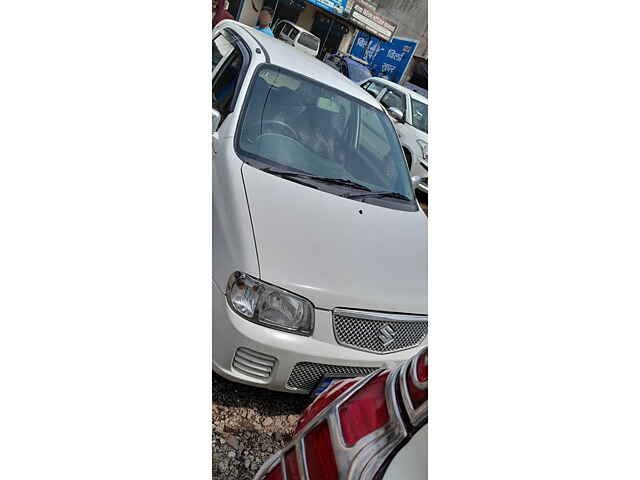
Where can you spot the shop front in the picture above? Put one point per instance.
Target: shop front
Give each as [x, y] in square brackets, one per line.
[324, 18]
[388, 60]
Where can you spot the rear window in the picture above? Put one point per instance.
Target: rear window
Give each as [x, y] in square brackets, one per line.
[309, 41]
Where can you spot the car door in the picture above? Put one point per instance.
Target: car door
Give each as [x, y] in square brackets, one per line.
[389, 98]
[229, 70]
[233, 245]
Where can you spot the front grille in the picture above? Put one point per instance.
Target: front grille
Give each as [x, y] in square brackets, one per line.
[378, 332]
[306, 375]
[254, 364]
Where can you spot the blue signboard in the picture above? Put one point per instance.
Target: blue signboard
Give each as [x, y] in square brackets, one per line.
[334, 6]
[386, 59]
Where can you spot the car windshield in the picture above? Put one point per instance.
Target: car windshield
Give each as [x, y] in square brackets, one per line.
[359, 73]
[296, 124]
[309, 41]
[419, 115]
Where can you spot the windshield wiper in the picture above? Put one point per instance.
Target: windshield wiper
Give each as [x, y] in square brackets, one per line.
[378, 195]
[337, 181]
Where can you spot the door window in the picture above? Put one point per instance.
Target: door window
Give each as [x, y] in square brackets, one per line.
[225, 83]
[221, 49]
[373, 88]
[393, 99]
[309, 41]
[419, 115]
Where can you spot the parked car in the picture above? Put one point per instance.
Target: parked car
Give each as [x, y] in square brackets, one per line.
[319, 246]
[369, 428]
[409, 112]
[297, 37]
[351, 67]
[415, 88]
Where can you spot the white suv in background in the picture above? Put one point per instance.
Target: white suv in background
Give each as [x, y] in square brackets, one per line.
[319, 245]
[297, 37]
[409, 112]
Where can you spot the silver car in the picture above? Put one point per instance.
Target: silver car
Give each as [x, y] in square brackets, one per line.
[408, 109]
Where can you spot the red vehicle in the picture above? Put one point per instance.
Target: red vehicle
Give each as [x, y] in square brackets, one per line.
[369, 428]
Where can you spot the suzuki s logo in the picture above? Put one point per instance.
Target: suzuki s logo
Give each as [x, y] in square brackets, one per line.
[386, 335]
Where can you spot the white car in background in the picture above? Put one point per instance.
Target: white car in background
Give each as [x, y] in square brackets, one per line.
[374, 428]
[319, 245]
[409, 112]
[297, 37]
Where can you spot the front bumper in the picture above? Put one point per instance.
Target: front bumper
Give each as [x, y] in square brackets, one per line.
[232, 332]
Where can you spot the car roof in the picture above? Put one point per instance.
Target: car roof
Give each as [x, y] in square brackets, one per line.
[284, 55]
[402, 89]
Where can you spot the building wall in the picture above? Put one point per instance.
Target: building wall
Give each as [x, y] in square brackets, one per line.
[345, 45]
[249, 16]
[411, 16]
[306, 17]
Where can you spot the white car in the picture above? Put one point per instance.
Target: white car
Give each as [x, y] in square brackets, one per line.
[319, 246]
[409, 112]
[297, 37]
[369, 428]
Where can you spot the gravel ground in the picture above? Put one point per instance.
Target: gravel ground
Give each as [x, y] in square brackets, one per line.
[249, 425]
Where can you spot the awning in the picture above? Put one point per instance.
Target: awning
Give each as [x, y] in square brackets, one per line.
[337, 7]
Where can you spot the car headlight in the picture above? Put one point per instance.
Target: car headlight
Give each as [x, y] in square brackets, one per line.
[268, 305]
[423, 146]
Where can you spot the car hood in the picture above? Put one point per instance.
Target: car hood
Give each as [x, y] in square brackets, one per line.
[320, 246]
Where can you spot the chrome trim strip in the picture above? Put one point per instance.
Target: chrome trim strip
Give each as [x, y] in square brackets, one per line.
[380, 316]
[416, 415]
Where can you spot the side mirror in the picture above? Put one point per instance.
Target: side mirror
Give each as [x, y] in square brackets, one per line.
[396, 114]
[216, 116]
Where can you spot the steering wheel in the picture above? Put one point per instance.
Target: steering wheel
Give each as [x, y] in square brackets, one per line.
[279, 123]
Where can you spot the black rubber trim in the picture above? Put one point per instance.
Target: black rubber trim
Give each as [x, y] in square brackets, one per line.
[239, 42]
[264, 51]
